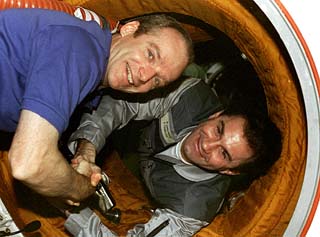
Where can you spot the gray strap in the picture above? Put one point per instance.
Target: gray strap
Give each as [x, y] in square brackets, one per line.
[193, 173]
[168, 159]
[189, 172]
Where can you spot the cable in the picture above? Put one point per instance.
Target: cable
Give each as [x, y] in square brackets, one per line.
[32, 226]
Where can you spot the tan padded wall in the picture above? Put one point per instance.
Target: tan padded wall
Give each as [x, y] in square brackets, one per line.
[268, 205]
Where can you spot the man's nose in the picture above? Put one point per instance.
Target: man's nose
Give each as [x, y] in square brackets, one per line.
[147, 73]
[208, 144]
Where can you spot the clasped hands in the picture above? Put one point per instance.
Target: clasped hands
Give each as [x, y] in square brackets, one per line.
[84, 163]
[87, 168]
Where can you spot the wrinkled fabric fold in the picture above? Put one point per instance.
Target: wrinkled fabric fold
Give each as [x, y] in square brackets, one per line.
[87, 224]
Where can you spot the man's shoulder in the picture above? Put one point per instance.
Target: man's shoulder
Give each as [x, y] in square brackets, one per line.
[36, 19]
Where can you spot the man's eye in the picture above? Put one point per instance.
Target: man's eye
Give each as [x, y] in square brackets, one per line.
[156, 82]
[219, 129]
[224, 154]
[150, 55]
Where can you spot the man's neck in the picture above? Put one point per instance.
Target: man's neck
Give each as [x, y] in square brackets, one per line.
[179, 153]
[175, 152]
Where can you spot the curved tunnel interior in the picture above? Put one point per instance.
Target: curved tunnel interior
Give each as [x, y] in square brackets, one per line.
[220, 63]
[238, 30]
[268, 203]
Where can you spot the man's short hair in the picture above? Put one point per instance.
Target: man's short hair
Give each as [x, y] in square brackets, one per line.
[153, 22]
[263, 137]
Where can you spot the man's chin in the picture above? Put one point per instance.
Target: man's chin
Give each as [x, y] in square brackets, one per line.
[117, 87]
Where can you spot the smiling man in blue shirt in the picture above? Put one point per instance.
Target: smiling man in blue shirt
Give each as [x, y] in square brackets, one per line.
[50, 61]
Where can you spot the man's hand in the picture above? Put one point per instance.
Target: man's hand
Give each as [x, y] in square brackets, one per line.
[84, 167]
[84, 161]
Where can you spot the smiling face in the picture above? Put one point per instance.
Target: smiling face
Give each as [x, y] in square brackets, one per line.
[142, 63]
[218, 144]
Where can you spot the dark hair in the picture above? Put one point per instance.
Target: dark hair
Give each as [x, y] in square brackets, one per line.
[263, 137]
[153, 22]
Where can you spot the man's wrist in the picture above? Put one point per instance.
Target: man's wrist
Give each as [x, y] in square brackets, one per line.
[86, 149]
[81, 187]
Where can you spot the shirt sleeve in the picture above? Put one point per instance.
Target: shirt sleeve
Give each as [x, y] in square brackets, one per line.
[115, 112]
[65, 65]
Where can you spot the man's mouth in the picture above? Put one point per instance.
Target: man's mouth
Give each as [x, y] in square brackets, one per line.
[129, 73]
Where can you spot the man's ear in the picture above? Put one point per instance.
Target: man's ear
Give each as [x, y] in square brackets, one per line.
[215, 115]
[129, 28]
[229, 172]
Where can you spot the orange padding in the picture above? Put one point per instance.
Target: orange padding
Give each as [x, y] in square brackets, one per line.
[267, 207]
[45, 4]
[25, 206]
[268, 204]
[55, 5]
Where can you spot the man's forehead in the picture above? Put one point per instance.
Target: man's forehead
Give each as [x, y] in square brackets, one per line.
[243, 153]
[236, 141]
[171, 61]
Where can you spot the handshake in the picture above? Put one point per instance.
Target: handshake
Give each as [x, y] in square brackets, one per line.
[84, 163]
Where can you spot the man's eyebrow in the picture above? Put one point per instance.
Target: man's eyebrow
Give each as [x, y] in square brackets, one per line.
[222, 124]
